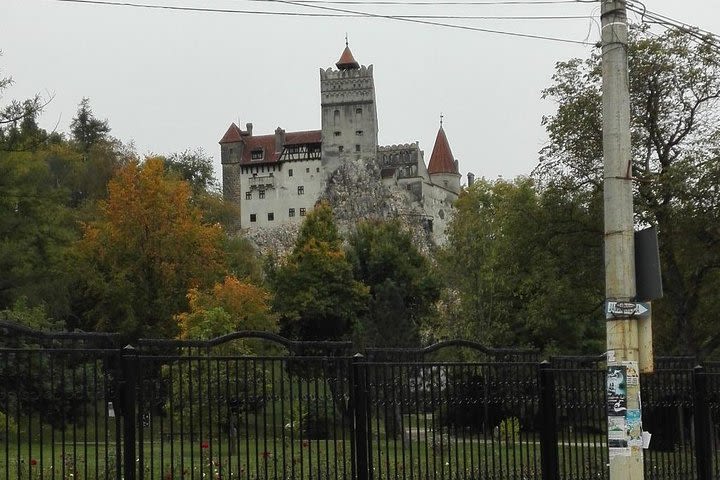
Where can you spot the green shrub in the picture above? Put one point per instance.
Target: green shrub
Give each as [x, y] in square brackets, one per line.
[509, 429]
[7, 426]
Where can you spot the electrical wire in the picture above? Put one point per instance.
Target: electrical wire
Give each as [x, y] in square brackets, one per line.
[698, 35]
[440, 2]
[427, 22]
[356, 13]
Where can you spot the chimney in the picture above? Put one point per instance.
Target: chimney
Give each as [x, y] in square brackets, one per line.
[471, 178]
[248, 128]
[279, 139]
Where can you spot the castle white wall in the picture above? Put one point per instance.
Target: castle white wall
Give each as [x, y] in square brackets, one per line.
[281, 192]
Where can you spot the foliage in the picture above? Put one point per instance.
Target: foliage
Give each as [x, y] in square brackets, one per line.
[7, 426]
[230, 306]
[18, 128]
[35, 227]
[518, 276]
[403, 286]
[509, 429]
[33, 317]
[86, 129]
[314, 291]
[196, 168]
[148, 247]
[674, 92]
[243, 259]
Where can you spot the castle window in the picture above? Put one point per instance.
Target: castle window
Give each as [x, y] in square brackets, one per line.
[253, 217]
[359, 133]
[341, 148]
[307, 170]
[302, 212]
[336, 117]
[271, 216]
[290, 172]
[337, 134]
[357, 148]
[256, 155]
[291, 212]
[358, 111]
[317, 169]
[248, 195]
[301, 190]
[261, 194]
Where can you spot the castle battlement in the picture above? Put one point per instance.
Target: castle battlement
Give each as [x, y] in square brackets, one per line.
[332, 74]
[399, 146]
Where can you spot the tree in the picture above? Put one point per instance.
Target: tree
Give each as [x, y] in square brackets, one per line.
[85, 128]
[196, 168]
[230, 306]
[403, 285]
[149, 246]
[35, 229]
[518, 269]
[17, 120]
[314, 291]
[675, 92]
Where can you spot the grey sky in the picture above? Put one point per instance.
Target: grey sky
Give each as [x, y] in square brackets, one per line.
[174, 80]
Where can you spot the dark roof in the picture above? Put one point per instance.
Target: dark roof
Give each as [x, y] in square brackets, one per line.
[441, 160]
[347, 61]
[266, 143]
[233, 134]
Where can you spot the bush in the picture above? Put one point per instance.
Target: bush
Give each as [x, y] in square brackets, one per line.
[316, 424]
[509, 429]
[7, 425]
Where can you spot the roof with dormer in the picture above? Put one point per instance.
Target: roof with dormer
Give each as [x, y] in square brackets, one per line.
[266, 143]
[347, 61]
[442, 160]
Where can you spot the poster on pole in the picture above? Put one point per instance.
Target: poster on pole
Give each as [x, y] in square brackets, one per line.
[616, 390]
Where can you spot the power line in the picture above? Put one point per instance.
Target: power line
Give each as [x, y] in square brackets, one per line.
[439, 2]
[697, 35]
[348, 13]
[427, 22]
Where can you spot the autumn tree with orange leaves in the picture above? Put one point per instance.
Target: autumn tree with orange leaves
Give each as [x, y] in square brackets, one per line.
[147, 249]
[230, 306]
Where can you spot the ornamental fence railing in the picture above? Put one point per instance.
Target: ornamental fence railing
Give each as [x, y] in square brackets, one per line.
[81, 406]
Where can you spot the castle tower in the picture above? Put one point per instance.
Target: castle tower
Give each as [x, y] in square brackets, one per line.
[443, 168]
[349, 115]
[231, 151]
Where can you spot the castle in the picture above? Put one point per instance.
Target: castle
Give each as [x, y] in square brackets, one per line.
[276, 179]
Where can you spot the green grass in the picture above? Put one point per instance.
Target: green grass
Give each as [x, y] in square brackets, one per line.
[314, 459]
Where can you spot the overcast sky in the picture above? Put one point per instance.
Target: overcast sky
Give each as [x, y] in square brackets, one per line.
[173, 80]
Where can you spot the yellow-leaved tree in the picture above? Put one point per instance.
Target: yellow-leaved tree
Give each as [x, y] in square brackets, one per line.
[147, 248]
[230, 306]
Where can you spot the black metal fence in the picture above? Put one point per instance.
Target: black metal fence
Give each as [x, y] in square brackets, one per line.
[77, 406]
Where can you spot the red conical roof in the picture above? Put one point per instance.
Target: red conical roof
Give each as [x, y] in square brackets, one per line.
[233, 134]
[347, 61]
[441, 160]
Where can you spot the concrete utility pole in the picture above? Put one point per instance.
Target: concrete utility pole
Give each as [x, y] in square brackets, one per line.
[626, 457]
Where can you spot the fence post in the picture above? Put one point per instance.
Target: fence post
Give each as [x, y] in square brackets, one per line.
[360, 418]
[129, 366]
[548, 423]
[701, 417]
